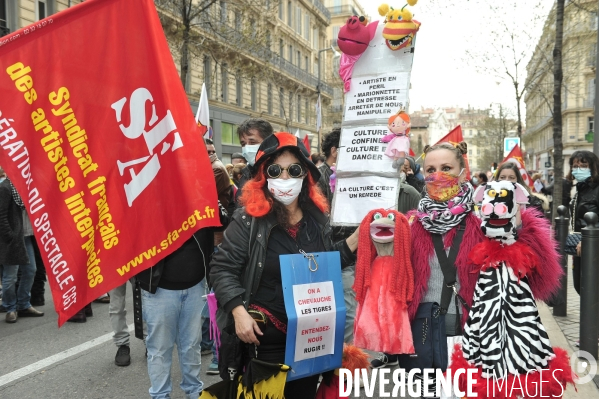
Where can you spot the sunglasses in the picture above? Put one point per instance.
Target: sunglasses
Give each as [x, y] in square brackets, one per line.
[294, 170]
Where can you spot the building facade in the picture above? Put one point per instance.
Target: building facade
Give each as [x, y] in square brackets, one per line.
[578, 92]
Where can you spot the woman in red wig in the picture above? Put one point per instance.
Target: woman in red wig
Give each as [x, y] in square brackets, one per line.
[284, 213]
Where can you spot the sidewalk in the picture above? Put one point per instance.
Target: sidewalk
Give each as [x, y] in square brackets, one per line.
[563, 332]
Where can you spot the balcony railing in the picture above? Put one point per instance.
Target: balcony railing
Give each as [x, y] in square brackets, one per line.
[4, 31]
[538, 125]
[323, 10]
[231, 35]
[343, 10]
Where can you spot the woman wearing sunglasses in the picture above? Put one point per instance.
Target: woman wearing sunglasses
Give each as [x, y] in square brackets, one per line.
[284, 212]
[584, 169]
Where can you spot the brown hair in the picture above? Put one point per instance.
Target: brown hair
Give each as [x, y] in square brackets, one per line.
[589, 158]
[514, 168]
[236, 172]
[459, 150]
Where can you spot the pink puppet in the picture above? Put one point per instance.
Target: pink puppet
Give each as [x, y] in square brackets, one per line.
[353, 40]
[399, 142]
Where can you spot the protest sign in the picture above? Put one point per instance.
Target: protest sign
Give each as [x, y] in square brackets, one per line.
[315, 308]
[356, 196]
[380, 83]
[97, 135]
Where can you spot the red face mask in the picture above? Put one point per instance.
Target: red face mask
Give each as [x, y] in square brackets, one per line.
[442, 186]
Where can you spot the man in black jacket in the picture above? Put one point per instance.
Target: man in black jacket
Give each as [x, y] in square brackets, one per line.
[252, 133]
[16, 253]
[171, 293]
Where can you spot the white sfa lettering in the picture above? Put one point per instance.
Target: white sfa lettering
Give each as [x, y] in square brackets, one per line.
[158, 132]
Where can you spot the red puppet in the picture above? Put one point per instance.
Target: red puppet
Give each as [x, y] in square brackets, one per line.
[384, 284]
[353, 40]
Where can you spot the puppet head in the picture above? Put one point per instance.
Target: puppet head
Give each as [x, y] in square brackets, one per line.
[400, 28]
[400, 123]
[500, 202]
[355, 35]
[385, 228]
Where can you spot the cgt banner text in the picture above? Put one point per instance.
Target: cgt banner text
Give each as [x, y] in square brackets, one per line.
[101, 144]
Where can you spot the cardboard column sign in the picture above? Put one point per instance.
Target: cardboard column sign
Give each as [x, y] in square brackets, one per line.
[379, 88]
[316, 312]
[98, 137]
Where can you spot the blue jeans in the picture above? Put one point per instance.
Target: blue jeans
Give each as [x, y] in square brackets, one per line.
[172, 317]
[13, 299]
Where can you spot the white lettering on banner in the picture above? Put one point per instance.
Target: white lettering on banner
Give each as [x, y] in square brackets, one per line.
[361, 150]
[377, 97]
[316, 319]
[160, 129]
[356, 196]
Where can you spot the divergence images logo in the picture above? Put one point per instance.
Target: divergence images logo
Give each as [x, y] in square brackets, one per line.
[585, 365]
[159, 130]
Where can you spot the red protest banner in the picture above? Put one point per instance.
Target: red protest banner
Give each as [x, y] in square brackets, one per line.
[515, 156]
[98, 137]
[454, 138]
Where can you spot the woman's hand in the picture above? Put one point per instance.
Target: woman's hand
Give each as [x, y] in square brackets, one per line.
[352, 241]
[578, 246]
[245, 326]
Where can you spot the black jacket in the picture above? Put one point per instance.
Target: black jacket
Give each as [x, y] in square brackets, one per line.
[246, 175]
[149, 278]
[587, 200]
[12, 243]
[242, 253]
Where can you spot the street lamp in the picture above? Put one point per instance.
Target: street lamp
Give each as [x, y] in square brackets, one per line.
[336, 55]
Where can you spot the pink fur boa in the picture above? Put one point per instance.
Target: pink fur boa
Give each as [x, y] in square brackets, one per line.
[536, 233]
[423, 249]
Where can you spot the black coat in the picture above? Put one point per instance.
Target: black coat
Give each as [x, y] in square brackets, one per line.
[242, 253]
[12, 243]
[587, 200]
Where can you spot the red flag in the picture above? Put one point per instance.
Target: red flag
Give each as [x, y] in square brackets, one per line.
[515, 156]
[306, 141]
[454, 138]
[412, 154]
[98, 137]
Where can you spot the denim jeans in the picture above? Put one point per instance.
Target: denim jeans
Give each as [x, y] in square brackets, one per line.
[349, 295]
[173, 317]
[13, 299]
[118, 314]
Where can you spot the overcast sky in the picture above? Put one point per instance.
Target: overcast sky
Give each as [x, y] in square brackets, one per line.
[443, 75]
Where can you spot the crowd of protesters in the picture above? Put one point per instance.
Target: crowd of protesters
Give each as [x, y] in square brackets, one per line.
[172, 294]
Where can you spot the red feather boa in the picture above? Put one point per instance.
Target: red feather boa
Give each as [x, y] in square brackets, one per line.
[490, 253]
[554, 380]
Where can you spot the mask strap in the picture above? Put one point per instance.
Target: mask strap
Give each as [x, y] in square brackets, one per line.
[461, 172]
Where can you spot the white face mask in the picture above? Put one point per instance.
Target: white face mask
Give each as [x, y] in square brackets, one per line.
[249, 153]
[285, 190]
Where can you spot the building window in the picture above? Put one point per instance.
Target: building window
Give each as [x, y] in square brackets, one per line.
[291, 53]
[268, 41]
[335, 34]
[224, 74]
[299, 108]
[315, 38]
[42, 9]
[238, 22]
[591, 122]
[269, 99]
[253, 95]
[207, 68]
[593, 17]
[299, 59]
[289, 14]
[281, 10]
[307, 66]
[298, 20]
[307, 27]
[223, 12]
[239, 89]
[229, 134]
[306, 113]
[281, 100]
[281, 48]
[290, 116]
[4, 30]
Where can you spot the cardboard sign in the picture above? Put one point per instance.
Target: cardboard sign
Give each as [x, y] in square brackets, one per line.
[98, 137]
[315, 307]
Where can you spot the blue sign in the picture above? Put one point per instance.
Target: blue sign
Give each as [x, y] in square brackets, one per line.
[315, 308]
[509, 143]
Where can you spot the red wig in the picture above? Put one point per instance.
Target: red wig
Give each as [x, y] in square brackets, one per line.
[402, 284]
[257, 204]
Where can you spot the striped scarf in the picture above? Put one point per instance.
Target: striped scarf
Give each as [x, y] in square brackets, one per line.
[440, 217]
[15, 195]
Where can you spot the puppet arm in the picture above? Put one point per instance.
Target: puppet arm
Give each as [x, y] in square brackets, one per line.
[388, 138]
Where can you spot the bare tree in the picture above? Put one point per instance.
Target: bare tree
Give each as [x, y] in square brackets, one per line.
[557, 106]
[493, 130]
